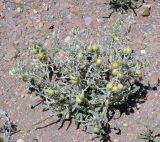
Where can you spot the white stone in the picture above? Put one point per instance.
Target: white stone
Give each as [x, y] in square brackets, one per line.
[20, 140]
[18, 9]
[143, 51]
[35, 11]
[125, 125]
[67, 39]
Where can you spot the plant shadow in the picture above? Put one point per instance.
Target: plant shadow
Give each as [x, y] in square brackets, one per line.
[133, 101]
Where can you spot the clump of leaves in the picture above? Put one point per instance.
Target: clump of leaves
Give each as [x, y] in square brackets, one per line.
[150, 134]
[82, 80]
[124, 5]
[7, 128]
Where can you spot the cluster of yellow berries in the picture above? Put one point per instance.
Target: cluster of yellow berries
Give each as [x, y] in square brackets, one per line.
[114, 87]
[115, 71]
[75, 80]
[40, 52]
[91, 49]
[80, 98]
[51, 91]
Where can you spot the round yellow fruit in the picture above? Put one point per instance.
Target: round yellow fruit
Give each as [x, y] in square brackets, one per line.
[75, 81]
[34, 51]
[114, 72]
[99, 61]
[115, 65]
[109, 85]
[127, 50]
[90, 48]
[120, 86]
[95, 47]
[80, 55]
[41, 55]
[79, 100]
[115, 89]
[120, 75]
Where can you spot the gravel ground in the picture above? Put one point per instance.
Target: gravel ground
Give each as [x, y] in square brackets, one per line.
[24, 21]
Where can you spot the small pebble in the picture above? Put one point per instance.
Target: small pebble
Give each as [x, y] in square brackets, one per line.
[2, 16]
[16, 42]
[18, 9]
[115, 140]
[67, 39]
[89, 2]
[156, 94]
[35, 11]
[146, 10]
[18, 1]
[143, 51]
[20, 140]
[100, 20]
[41, 24]
[14, 122]
[88, 21]
[23, 96]
[82, 31]
[125, 125]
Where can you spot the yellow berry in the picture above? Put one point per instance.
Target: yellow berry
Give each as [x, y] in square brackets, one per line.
[34, 50]
[99, 61]
[120, 86]
[109, 85]
[94, 47]
[115, 65]
[75, 81]
[120, 75]
[90, 48]
[114, 72]
[127, 50]
[41, 55]
[80, 55]
[115, 89]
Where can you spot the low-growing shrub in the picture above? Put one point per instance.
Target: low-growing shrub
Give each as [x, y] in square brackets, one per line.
[150, 134]
[7, 128]
[124, 5]
[82, 80]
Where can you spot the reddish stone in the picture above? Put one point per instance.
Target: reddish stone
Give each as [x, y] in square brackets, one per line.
[67, 5]
[76, 12]
[100, 1]
[78, 22]
[69, 26]
[137, 113]
[18, 1]
[150, 97]
[133, 126]
[94, 24]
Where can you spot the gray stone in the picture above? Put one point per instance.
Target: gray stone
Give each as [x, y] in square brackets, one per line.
[88, 21]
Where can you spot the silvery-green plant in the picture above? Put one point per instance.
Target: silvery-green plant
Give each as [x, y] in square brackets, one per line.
[149, 134]
[82, 80]
[7, 127]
